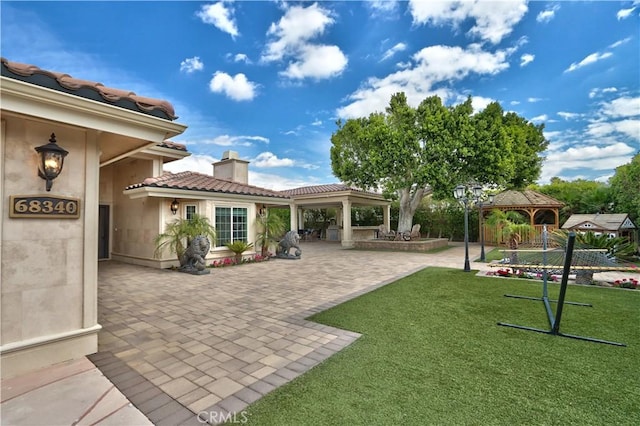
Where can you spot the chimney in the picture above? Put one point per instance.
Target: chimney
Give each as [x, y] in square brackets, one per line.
[231, 168]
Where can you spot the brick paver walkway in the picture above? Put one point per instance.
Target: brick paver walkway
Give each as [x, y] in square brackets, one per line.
[177, 345]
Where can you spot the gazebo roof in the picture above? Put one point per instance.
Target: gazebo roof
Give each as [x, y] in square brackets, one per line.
[526, 198]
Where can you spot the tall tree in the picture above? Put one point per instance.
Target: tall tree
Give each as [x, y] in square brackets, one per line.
[578, 196]
[625, 189]
[411, 152]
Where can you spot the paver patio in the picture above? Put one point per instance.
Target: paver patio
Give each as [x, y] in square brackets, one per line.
[180, 345]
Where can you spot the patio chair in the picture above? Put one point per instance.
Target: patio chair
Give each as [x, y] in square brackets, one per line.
[384, 234]
[415, 232]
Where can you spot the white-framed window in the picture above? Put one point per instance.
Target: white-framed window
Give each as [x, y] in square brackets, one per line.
[190, 210]
[232, 224]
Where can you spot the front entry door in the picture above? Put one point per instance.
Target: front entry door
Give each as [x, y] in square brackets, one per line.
[103, 232]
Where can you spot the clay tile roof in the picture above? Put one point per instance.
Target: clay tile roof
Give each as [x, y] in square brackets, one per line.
[322, 189]
[173, 145]
[87, 89]
[193, 181]
[526, 198]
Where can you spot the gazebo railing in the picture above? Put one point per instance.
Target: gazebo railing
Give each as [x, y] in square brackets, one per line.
[494, 236]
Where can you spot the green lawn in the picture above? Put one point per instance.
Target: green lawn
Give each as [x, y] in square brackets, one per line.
[431, 353]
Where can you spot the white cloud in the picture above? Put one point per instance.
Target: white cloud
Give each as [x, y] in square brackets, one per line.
[220, 16]
[568, 115]
[585, 157]
[629, 127]
[190, 65]
[534, 100]
[479, 103]
[237, 87]
[227, 140]
[620, 42]
[291, 38]
[399, 47]
[269, 160]
[515, 102]
[526, 59]
[382, 7]
[624, 13]
[194, 163]
[241, 57]
[548, 14]
[493, 20]
[318, 62]
[540, 118]
[597, 91]
[295, 29]
[202, 163]
[432, 65]
[622, 107]
[317, 123]
[590, 59]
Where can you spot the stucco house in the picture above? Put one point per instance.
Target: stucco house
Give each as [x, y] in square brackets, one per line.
[111, 198]
[613, 225]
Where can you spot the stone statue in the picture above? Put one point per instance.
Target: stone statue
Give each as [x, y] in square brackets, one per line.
[193, 260]
[291, 239]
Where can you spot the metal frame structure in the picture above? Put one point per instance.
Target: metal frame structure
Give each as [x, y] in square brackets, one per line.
[554, 321]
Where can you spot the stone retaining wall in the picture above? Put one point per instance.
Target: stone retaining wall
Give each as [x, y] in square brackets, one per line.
[417, 245]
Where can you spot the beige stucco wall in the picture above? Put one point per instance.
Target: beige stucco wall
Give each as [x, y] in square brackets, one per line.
[48, 293]
[134, 222]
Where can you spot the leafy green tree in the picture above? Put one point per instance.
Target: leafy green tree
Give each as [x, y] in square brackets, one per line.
[411, 152]
[178, 234]
[625, 189]
[579, 196]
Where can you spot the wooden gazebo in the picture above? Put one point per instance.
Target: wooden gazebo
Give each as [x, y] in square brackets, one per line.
[539, 208]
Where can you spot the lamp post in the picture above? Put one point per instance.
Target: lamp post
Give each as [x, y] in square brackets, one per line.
[466, 195]
[480, 205]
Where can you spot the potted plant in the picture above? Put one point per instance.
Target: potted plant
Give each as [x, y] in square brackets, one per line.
[239, 247]
[270, 229]
[178, 234]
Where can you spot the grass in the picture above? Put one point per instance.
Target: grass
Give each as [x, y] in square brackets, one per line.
[431, 353]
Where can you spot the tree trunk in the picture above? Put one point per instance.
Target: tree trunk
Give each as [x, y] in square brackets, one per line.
[409, 203]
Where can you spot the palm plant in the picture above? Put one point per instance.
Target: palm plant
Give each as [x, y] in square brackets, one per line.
[616, 248]
[178, 234]
[270, 229]
[514, 228]
[239, 247]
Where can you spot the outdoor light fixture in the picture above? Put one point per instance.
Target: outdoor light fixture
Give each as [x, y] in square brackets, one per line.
[174, 206]
[50, 160]
[461, 193]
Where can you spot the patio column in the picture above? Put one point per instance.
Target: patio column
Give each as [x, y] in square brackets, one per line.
[386, 216]
[346, 224]
[293, 217]
[300, 218]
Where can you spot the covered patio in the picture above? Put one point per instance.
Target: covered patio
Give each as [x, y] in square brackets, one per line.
[342, 198]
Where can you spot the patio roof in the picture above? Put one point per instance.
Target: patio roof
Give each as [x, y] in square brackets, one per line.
[333, 194]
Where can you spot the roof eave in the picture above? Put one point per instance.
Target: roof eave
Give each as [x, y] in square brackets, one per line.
[29, 99]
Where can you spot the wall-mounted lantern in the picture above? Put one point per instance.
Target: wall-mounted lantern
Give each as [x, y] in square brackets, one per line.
[174, 206]
[50, 160]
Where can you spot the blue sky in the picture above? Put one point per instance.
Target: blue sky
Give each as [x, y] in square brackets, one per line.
[269, 79]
